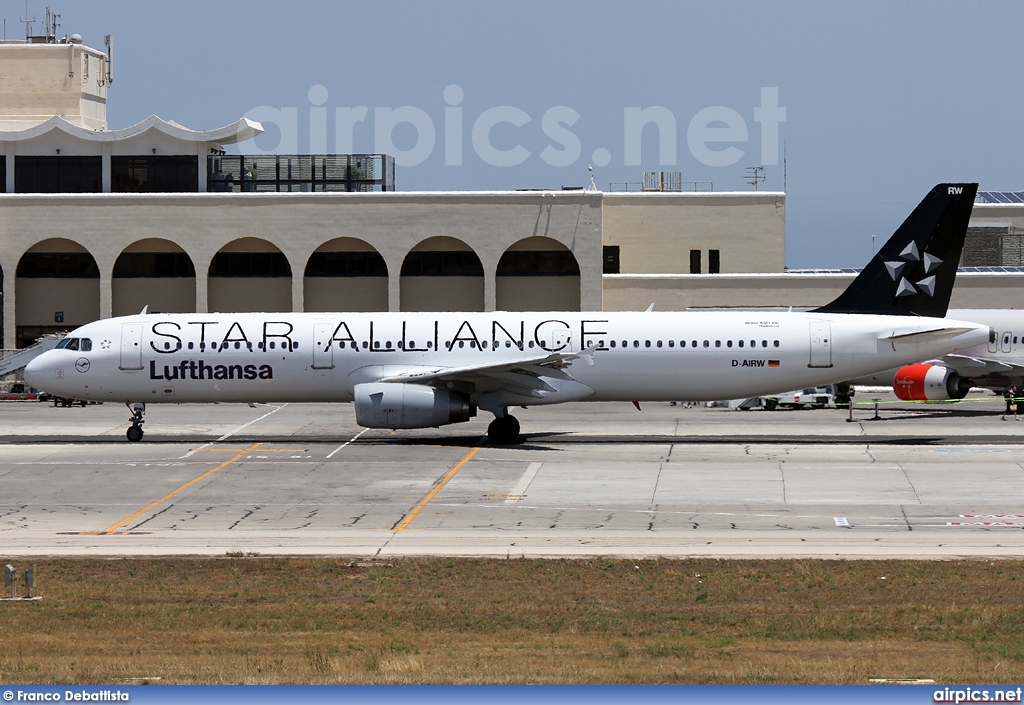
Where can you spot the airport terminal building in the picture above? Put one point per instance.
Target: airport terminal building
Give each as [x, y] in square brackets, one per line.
[97, 222]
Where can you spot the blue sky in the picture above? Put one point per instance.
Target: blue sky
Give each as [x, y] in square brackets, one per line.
[882, 100]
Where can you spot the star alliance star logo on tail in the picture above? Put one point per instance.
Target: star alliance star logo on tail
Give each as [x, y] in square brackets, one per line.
[925, 286]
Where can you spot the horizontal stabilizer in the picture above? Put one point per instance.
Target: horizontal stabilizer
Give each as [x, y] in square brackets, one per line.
[924, 336]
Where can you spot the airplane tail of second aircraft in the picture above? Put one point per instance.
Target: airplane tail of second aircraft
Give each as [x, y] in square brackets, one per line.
[913, 273]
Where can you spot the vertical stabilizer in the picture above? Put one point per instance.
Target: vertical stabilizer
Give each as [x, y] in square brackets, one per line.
[914, 271]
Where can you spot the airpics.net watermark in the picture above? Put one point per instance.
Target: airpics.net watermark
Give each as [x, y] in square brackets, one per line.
[714, 135]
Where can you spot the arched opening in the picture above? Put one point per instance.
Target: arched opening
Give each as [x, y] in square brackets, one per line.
[538, 274]
[156, 273]
[57, 287]
[442, 274]
[249, 274]
[346, 274]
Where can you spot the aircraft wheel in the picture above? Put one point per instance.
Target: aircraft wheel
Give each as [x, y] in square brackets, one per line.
[503, 430]
[134, 434]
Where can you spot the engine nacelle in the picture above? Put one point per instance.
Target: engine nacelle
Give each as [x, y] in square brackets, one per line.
[926, 382]
[396, 405]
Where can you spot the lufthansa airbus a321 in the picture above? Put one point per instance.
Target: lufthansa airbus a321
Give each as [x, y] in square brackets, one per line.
[418, 370]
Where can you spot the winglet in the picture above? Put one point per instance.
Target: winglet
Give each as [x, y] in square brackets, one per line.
[650, 308]
[145, 310]
[914, 271]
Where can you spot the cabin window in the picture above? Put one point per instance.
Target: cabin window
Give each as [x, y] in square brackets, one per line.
[272, 345]
[430, 346]
[388, 345]
[376, 345]
[659, 343]
[695, 344]
[776, 343]
[612, 343]
[671, 343]
[740, 343]
[636, 343]
[764, 343]
[647, 343]
[462, 343]
[707, 343]
[191, 345]
[718, 343]
[728, 343]
[295, 345]
[365, 345]
[531, 343]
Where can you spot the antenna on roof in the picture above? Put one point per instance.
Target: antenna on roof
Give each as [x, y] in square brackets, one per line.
[28, 23]
[755, 176]
[50, 30]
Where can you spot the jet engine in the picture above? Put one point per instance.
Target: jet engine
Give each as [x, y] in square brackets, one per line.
[397, 405]
[929, 382]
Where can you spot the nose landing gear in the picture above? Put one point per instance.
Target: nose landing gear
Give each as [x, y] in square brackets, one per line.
[138, 418]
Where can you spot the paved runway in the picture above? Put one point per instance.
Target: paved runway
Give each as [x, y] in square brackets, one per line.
[936, 481]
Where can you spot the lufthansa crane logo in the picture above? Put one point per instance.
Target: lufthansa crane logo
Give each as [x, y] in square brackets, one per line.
[82, 364]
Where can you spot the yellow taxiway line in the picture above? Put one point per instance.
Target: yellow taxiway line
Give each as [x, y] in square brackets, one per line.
[404, 524]
[242, 453]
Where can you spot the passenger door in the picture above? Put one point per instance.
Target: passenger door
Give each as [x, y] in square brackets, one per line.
[131, 346]
[323, 346]
[821, 344]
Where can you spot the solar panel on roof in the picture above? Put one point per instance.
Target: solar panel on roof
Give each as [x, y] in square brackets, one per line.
[1015, 197]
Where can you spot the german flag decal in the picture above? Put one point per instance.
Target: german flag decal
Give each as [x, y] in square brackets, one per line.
[773, 363]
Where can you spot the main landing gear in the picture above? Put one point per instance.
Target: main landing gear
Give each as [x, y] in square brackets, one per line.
[504, 430]
[138, 418]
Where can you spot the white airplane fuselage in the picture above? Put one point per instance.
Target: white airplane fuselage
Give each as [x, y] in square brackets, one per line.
[645, 356]
[994, 364]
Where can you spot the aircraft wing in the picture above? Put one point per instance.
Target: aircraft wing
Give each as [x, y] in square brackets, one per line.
[522, 376]
[975, 365]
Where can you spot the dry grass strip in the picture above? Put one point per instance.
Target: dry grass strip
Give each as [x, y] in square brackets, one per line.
[262, 620]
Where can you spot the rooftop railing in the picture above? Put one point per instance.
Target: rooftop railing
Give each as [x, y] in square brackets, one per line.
[300, 173]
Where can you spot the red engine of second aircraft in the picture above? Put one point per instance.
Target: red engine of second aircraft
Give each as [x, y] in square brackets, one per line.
[929, 382]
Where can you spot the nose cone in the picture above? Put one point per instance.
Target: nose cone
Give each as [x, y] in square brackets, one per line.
[39, 373]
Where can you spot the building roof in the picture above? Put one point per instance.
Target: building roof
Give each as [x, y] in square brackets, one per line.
[18, 130]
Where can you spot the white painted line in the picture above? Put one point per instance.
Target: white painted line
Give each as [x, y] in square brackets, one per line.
[346, 443]
[233, 431]
[524, 483]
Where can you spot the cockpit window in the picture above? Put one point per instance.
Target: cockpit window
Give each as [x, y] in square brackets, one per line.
[63, 343]
[72, 344]
[86, 345]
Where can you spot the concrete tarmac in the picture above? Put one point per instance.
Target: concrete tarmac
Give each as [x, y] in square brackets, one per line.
[924, 481]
